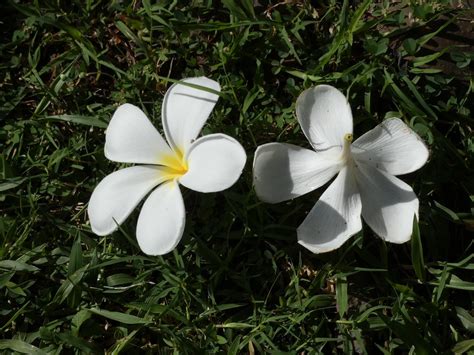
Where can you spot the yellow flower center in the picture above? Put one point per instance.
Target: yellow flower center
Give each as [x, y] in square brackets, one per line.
[174, 164]
[346, 150]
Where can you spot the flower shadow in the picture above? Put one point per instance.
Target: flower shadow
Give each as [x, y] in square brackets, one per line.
[197, 97]
[323, 226]
[386, 200]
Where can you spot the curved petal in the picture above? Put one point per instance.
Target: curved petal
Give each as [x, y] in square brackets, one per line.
[118, 194]
[161, 222]
[131, 138]
[325, 116]
[285, 171]
[388, 204]
[215, 163]
[392, 147]
[186, 109]
[335, 217]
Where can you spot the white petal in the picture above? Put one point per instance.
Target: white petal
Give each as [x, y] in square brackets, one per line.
[161, 222]
[118, 194]
[285, 171]
[335, 217]
[186, 109]
[325, 116]
[392, 146]
[215, 163]
[132, 138]
[388, 204]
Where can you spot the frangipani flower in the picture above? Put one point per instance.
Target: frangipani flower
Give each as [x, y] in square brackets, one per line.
[365, 184]
[207, 164]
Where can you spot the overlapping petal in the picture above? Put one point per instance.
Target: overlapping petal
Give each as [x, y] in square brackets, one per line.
[388, 204]
[161, 221]
[186, 109]
[132, 138]
[392, 146]
[118, 194]
[215, 162]
[335, 217]
[285, 171]
[325, 116]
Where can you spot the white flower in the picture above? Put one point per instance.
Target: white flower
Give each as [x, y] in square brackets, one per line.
[207, 164]
[365, 184]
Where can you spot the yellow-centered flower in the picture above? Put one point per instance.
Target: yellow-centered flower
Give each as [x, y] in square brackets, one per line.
[207, 164]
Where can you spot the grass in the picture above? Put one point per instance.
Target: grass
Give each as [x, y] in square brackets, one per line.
[238, 281]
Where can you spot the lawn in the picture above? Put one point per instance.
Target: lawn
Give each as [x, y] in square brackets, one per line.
[238, 282]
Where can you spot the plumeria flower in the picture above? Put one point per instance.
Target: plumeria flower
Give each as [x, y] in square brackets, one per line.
[211, 163]
[365, 183]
